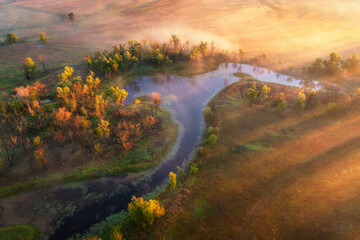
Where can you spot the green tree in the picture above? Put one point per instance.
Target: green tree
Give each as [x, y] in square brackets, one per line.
[212, 139]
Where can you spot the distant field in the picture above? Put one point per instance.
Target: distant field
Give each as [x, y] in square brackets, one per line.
[294, 31]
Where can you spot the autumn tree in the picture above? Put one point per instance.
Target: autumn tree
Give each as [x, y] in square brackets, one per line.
[43, 37]
[156, 100]
[9, 146]
[172, 181]
[253, 94]
[39, 153]
[143, 212]
[265, 93]
[117, 95]
[42, 62]
[29, 67]
[300, 101]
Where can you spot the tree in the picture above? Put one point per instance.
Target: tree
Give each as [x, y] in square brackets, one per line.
[172, 181]
[11, 37]
[209, 116]
[226, 82]
[143, 212]
[102, 129]
[9, 148]
[212, 139]
[281, 102]
[265, 93]
[300, 101]
[352, 63]
[29, 67]
[71, 16]
[156, 99]
[41, 60]
[333, 65]
[43, 37]
[241, 53]
[316, 67]
[253, 94]
[117, 95]
[115, 234]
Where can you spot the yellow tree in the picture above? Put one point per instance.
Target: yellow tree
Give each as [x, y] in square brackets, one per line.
[172, 181]
[29, 67]
[43, 37]
[143, 212]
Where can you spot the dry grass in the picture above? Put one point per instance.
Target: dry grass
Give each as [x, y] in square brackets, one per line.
[302, 182]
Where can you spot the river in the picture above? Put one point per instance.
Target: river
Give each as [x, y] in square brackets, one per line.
[185, 98]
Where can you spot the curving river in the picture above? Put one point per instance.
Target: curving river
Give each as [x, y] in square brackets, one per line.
[186, 98]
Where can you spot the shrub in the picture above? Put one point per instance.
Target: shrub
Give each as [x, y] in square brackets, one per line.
[180, 173]
[43, 37]
[172, 181]
[29, 67]
[12, 38]
[212, 139]
[334, 108]
[115, 234]
[265, 93]
[253, 93]
[202, 152]
[209, 116]
[143, 213]
[300, 101]
[71, 16]
[157, 58]
[282, 106]
[194, 169]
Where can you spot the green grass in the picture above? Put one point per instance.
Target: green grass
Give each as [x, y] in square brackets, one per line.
[20, 232]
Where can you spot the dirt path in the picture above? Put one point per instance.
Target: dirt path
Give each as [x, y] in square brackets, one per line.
[283, 180]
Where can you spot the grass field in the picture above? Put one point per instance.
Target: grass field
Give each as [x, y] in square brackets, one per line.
[294, 32]
[292, 176]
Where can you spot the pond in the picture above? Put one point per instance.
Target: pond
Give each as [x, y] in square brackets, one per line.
[185, 98]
